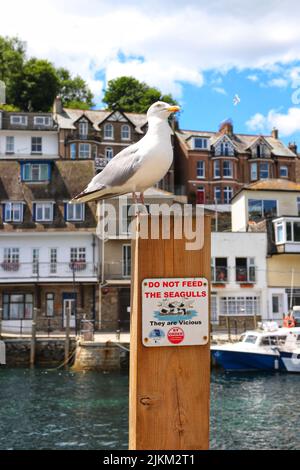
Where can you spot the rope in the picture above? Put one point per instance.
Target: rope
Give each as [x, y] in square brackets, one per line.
[66, 361]
[119, 345]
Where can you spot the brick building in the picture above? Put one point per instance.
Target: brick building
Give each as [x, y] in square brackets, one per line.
[211, 167]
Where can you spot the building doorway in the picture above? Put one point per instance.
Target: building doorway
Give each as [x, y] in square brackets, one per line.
[69, 305]
[124, 309]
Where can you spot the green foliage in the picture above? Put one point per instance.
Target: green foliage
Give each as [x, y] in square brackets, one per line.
[129, 95]
[74, 91]
[9, 107]
[32, 84]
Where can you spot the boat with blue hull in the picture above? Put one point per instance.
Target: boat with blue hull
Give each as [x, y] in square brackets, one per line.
[256, 350]
[290, 352]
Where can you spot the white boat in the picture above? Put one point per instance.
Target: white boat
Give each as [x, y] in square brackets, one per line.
[290, 352]
[256, 350]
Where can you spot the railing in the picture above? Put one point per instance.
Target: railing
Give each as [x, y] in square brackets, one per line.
[117, 270]
[41, 270]
[100, 163]
[93, 136]
[245, 274]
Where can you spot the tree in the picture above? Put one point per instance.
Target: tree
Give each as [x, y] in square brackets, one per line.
[38, 86]
[74, 91]
[129, 95]
[12, 59]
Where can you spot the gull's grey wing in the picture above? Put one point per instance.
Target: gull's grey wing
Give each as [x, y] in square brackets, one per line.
[119, 169]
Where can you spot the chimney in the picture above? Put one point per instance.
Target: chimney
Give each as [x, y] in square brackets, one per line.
[57, 105]
[293, 147]
[226, 127]
[274, 133]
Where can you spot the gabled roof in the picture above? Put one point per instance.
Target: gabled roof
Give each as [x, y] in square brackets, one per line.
[242, 142]
[275, 184]
[258, 139]
[225, 136]
[67, 119]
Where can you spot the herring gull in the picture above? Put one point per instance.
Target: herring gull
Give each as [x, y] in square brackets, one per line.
[139, 166]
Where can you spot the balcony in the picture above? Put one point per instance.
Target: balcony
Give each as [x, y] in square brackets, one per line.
[100, 163]
[60, 272]
[117, 270]
[75, 136]
[287, 234]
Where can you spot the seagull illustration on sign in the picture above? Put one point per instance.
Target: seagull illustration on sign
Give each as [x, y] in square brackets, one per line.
[139, 166]
[236, 100]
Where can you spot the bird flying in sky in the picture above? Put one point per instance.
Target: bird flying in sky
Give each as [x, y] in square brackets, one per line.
[236, 100]
[139, 166]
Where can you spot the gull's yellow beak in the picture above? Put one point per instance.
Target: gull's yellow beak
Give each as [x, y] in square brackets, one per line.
[173, 109]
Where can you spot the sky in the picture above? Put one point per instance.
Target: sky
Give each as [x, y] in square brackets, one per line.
[202, 52]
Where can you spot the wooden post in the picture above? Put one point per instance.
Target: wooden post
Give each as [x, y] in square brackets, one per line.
[169, 386]
[228, 328]
[33, 337]
[67, 340]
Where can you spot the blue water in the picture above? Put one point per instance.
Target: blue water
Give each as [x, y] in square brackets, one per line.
[89, 410]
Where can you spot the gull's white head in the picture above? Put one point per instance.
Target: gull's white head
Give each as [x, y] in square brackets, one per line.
[161, 110]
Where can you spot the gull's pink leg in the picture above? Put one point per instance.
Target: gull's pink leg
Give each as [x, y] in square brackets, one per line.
[142, 198]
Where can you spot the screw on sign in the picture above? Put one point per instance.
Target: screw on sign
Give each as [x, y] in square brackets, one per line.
[175, 335]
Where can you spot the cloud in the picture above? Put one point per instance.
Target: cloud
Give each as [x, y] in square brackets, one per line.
[252, 78]
[278, 82]
[287, 124]
[177, 41]
[220, 90]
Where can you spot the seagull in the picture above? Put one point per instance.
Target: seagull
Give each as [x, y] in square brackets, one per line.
[236, 100]
[139, 166]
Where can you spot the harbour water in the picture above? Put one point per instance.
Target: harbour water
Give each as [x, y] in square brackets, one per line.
[42, 409]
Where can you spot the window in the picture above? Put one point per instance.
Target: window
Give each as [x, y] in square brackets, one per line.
[298, 205]
[253, 171]
[84, 150]
[36, 144]
[10, 144]
[279, 233]
[200, 169]
[77, 255]
[283, 171]
[49, 301]
[200, 143]
[83, 129]
[13, 212]
[226, 149]
[94, 151]
[11, 255]
[35, 260]
[244, 270]
[126, 271]
[213, 309]
[217, 169]
[73, 151]
[125, 132]
[228, 193]
[43, 211]
[275, 303]
[227, 169]
[35, 172]
[42, 121]
[239, 305]
[17, 306]
[74, 212]
[292, 231]
[53, 260]
[217, 195]
[264, 171]
[219, 270]
[108, 131]
[109, 153]
[259, 209]
[18, 120]
[126, 218]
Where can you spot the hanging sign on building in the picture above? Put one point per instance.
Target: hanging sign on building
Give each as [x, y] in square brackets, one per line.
[175, 312]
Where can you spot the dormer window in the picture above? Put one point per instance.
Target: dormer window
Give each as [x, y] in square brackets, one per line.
[18, 120]
[35, 172]
[44, 121]
[108, 131]
[200, 143]
[224, 148]
[125, 132]
[83, 128]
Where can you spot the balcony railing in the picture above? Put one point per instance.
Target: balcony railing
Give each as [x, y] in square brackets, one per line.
[92, 136]
[41, 270]
[117, 270]
[243, 274]
[100, 163]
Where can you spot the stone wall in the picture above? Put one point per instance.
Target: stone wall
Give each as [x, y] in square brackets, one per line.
[110, 309]
[97, 356]
[50, 352]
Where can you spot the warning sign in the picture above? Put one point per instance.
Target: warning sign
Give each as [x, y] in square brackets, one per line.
[175, 311]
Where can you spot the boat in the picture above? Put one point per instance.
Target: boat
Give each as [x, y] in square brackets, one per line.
[256, 350]
[290, 352]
